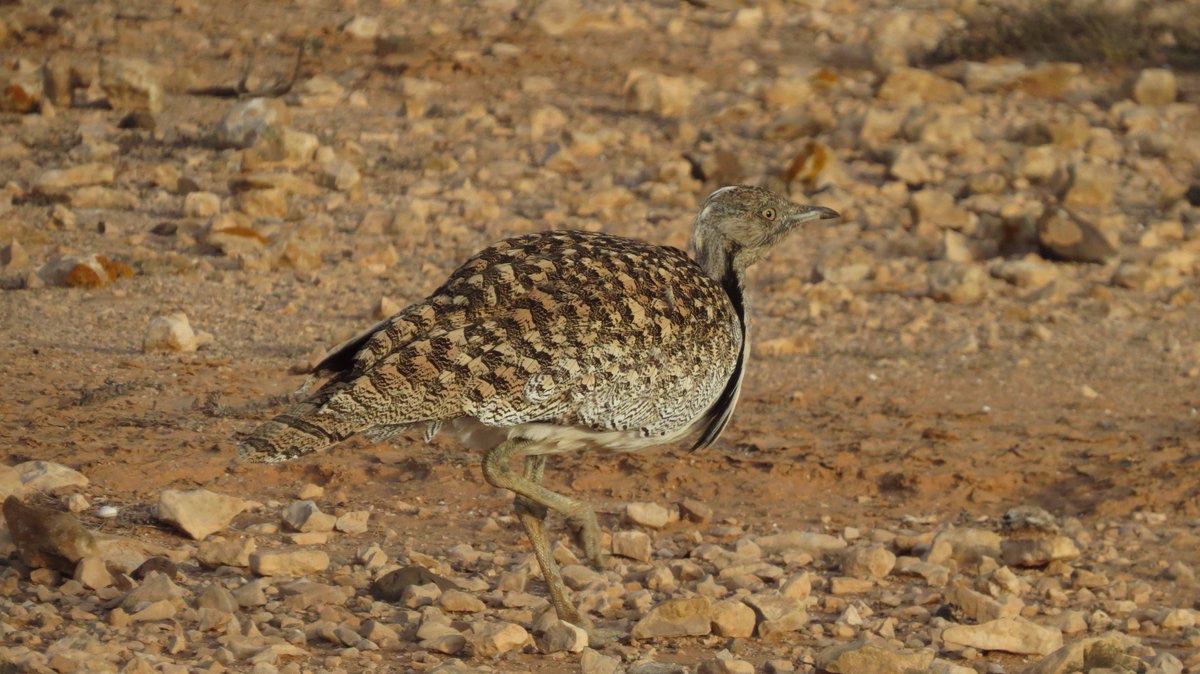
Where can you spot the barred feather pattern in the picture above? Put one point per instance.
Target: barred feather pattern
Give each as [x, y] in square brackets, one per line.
[565, 328]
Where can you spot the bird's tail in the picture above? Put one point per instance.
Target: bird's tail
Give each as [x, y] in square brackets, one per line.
[300, 430]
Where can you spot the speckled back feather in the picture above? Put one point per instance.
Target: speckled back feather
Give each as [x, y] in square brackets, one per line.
[569, 328]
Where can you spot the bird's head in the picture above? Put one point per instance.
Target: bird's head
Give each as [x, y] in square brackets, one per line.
[738, 225]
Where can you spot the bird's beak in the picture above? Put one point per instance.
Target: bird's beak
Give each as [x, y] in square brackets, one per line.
[801, 214]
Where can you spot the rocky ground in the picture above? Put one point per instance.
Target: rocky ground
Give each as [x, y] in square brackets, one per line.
[968, 438]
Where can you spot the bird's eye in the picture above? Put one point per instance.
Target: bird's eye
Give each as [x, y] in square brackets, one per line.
[768, 213]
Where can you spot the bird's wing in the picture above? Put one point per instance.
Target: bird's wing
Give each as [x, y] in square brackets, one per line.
[568, 328]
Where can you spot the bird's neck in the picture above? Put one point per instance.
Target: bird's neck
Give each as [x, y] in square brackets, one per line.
[722, 266]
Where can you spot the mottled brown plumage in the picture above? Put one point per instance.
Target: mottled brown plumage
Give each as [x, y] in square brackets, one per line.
[556, 342]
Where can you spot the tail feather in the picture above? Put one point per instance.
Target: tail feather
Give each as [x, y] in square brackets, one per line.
[300, 430]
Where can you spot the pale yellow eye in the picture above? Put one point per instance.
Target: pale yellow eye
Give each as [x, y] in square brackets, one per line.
[769, 213]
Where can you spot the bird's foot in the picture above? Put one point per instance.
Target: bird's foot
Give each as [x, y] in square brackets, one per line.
[586, 533]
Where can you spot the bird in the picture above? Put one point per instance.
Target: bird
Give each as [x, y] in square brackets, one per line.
[553, 342]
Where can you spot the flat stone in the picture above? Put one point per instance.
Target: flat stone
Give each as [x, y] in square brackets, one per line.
[1033, 552]
[696, 511]
[391, 586]
[47, 538]
[226, 552]
[416, 596]
[675, 618]
[92, 573]
[1010, 635]
[982, 608]
[842, 585]
[130, 84]
[1155, 86]
[873, 561]
[159, 610]
[155, 587]
[872, 657]
[632, 544]
[777, 614]
[246, 120]
[499, 637]
[725, 663]
[594, 662]
[458, 601]
[562, 637]
[252, 593]
[198, 512]
[816, 544]
[448, 644]
[288, 562]
[648, 515]
[661, 95]
[1029, 273]
[173, 333]
[305, 517]
[732, 618]
[904, 84]
[61, 181]
[48, 476]
[956, 283]
[1062, 236]
[216, 596]
[354, 522]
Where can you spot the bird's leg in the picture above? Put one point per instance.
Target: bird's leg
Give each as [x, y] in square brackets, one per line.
[584, 527]
[532, 502]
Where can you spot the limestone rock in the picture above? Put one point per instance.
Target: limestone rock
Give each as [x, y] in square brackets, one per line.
[305, 516]
[61, 181]
[914, 84]
[732, 618]
[563, 637]
[1062, 236]
[154, 588]
[593, 662]
[216, 552]
[131, 84]
[91, 572]
[201, 205]
[1011, 635]
[648, 515]
[391, 586]
[47, 538]
[1038, 551]
[198, 512]
[457, 601]
[658, 94]
[1093, 185]
[354, 522]
[48, 476]
[937, 208]
[982, 608]
[246, 120]
[868, 562]
[777, 614]
[675, 618]
[872, 657]
[632, 544]
[288, 562]
[1155, 86]
[497, 638]
[956, 283]
[725, 663]
[814, 543]
[173, 333]
[1028, 273]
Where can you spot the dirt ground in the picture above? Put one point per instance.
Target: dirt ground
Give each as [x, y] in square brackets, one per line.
[867, 404]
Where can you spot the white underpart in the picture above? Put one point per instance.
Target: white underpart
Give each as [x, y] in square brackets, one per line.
[556, 439]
